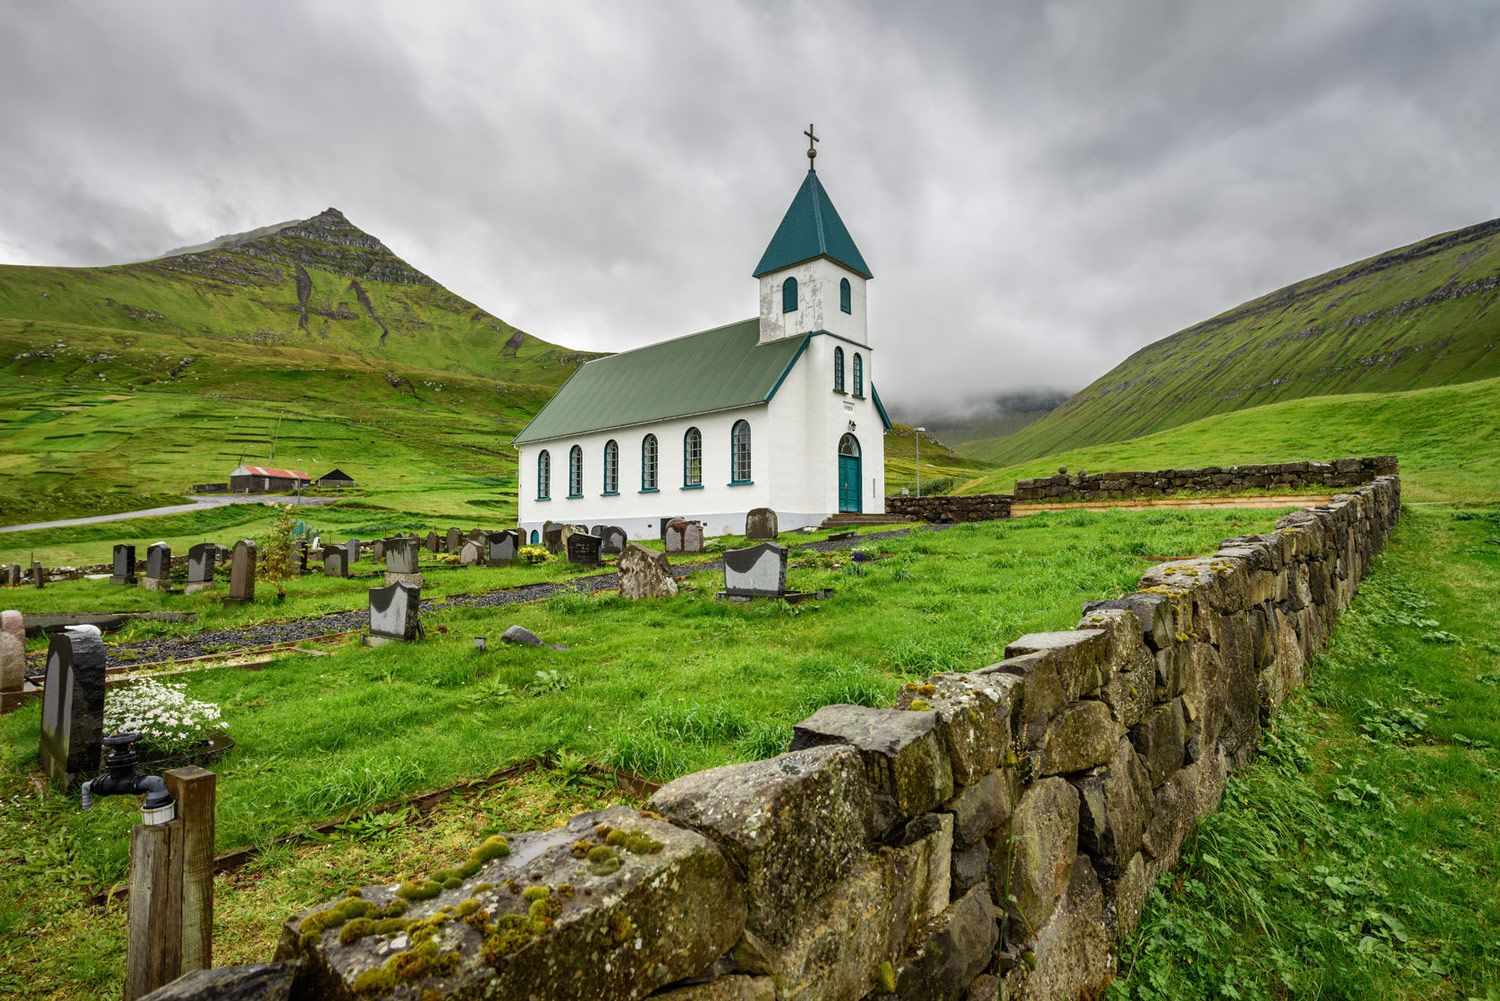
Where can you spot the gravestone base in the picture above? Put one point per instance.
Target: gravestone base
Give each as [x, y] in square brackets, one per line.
[414, 579]
[790, 597]
[194, 586]
[128, 581]
[375, 639]
[152, 584]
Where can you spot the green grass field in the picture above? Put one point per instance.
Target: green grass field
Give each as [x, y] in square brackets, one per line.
[1447, 440]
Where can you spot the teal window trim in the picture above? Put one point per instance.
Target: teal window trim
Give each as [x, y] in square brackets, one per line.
[693, 486]
[846, 297]
[544, 475]
[692, 458]
[859, 376]
[739, 453]
[650, 463]
[740, 483]
[575, 471]
[611, 468]
[838, 369]
[575, 496]
[610, 493]
[789, 295]
[650, 490]
[544, 498]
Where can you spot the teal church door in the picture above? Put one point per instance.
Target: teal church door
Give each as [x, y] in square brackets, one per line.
[849, 492]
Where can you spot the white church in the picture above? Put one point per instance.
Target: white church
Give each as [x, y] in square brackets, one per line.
[778, 411]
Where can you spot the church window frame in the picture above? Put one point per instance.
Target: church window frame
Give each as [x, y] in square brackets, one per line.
[611, 469]
[838, 370]
[859, 376]
[544, 475]
[789, 295]
[846, 296]
[650, 465]
[575, 473]
[739, 454]
[692, 459]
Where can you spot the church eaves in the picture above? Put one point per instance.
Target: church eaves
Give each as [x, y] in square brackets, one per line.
[811, 228]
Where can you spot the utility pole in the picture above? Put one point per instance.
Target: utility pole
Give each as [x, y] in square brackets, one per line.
[919, 432]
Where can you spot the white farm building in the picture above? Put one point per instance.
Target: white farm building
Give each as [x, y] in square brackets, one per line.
[778, 411]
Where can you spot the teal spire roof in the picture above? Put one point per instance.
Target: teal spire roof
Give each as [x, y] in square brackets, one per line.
[811, 228]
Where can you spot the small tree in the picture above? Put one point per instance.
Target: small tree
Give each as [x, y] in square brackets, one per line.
[278, 554]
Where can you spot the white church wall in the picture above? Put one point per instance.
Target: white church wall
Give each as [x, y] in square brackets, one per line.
[817, 302]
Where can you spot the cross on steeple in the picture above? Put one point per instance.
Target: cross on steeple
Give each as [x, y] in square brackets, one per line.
[811, 152]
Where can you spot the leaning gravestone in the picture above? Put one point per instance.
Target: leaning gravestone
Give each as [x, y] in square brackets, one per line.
[242, 572]
[13, 575]
[124, 568]
[684, 536]
[401, 556]
[761, 524]
[201, 561]
[454, 542]
[552, 536]
[645, 573]
[501, 547]
[394, 613]
[584, 549]
[158, 567]
[12, 651]
[73, 704]
[757, 572]
[431, 543]
[564, 532]
[38, 575]
[613, 539]
[469, 555]
[335, 562]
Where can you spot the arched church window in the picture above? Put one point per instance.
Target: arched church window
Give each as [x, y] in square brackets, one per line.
[859, 374]
[575, 472]
[789, 295]
[838, 370]
[611, 467]
[544, 475]
[846, 296]
[739, 452]
[849, 445]
[648, 462]
[692, 458]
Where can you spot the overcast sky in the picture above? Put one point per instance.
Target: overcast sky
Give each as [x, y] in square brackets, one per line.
[1039, 188]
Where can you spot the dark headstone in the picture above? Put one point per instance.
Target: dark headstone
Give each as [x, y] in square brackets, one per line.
[13, 575]
[158, 566]
[393, 612]
[299, 556]
[757, 572]
[761, 525]
[454, 542]
[431, 543]
[377, 551]
[614, 539]
[124, 568]
[335, 562]
[202, 559]
[501, 547]
[584, 549]
[73, 704]
[552, 537]
[597, 530]
[522, 635]
[38, 575]
[242, 571]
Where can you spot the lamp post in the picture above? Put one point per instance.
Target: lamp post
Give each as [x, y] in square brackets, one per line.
[919, 460]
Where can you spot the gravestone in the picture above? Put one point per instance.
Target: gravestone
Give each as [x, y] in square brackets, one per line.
[552, 536]
[756, 572]
[377, 551]
[664, 523]
[13, 575]
[583, 549]
[564, 532]
[299, 556]
[477, 535]
[124, 568]
[613, 539]
[73, 704]
[352, 547]
[431, 543]
[242, 572]
[401, 555]
[158, 567]
[761, 525]
[38, 576]
[501, 547]
[454, 542]
[645, 573]
[469, 555]
[684, 536]
[394, 613]
[12, 651]
[202, 559]
[335, 562]
[596, 530]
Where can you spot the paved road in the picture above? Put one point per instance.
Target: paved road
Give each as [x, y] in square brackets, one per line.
[199, 503]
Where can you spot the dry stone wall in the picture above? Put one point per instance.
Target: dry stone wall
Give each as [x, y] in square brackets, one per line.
[1335, 475]
[997, 830]
[952, 508]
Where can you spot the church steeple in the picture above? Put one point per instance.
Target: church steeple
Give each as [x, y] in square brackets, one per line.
[810, 229]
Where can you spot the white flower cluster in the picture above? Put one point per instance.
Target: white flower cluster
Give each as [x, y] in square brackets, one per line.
[166, 718]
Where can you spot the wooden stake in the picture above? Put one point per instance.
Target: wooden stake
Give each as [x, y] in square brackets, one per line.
[154, 937]
[193, 789]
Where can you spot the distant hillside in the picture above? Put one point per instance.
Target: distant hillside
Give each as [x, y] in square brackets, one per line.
[1411, 318]
[312, 336]
[1002, 415]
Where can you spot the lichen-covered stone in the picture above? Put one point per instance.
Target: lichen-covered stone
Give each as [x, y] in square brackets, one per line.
[970, 867]
[1041, 695]
[731, 988]
[1155, 613]
[1240, 734]
[792, 824]
[1115, 803]
[1159, 740]
[645, 573]
[1082, 736]
[1072, 950]
[980, 808]
[662, 906]
[1077, 654]
[1126, 643]
[909, 770]
[986, 987]
[1043, 844]
[1131, 694]
[1125, 897]
[973, 718]
[954, 947]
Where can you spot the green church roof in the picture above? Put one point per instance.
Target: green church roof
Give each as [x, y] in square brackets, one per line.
[711, 370]
[811, 228]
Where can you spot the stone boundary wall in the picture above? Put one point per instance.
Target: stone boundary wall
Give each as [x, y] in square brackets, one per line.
[997, 829]
[948, 508]
[1338, 474]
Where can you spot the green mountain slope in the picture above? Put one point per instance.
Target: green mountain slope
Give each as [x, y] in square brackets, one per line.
[1447, 439]
[309, 343]
[1411, 318]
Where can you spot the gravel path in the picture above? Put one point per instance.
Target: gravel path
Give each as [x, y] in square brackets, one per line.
[211, 641]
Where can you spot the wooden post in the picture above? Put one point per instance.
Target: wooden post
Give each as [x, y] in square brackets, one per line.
[154, 938]
[193, 790]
